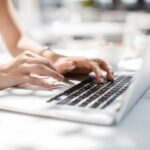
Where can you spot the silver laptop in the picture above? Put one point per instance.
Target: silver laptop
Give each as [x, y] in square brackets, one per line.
[100, 104]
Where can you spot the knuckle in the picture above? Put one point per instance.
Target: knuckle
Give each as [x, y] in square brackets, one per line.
[105, 63]
[23, 59]
[28, 61]
[27, 52]
[53, 73]
[46, 63]
[32, 80]
[94, 64]
[23, 67]
[40, 67]
[72, 62]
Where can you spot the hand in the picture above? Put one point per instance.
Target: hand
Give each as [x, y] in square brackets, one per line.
[23, 68]
[83, 65]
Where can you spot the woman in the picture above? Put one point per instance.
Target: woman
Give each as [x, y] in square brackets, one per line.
[31, 58]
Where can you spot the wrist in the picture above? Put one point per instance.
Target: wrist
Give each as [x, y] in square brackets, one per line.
[50, 55]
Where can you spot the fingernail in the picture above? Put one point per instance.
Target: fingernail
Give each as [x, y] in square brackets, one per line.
[110, 78]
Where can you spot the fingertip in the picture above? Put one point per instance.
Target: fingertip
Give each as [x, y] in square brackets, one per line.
[48, 85]
[58, 76]
[111, 77]
[61, 77]
[100, 80]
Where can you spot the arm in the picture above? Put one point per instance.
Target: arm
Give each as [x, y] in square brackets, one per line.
[17, 42]
[26, 63]
[15, 38]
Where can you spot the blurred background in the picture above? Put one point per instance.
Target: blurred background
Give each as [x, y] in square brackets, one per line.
[117, 30]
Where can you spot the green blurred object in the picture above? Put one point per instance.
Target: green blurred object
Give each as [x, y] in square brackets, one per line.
[88, 3]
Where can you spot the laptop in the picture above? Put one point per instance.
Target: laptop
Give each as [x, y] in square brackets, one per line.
[102, 104]
[97, 104]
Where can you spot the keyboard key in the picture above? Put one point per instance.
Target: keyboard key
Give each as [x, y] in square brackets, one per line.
[90, 94]
[65, 100]
[114, 97]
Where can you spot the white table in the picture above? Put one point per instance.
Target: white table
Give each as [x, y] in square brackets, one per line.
[18, 132]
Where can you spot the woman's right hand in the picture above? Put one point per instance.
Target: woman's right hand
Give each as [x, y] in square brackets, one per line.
[23, 68]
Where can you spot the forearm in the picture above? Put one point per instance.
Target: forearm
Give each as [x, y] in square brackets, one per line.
[25, 43]
[15, 38]
[22, 44]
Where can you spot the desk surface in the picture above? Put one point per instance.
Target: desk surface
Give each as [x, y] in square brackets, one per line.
[18, 132]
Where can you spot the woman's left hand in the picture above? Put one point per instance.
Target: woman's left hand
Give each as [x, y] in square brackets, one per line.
[83, 65]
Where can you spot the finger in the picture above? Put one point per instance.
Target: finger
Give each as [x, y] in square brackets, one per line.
[42, 61]
[41, 70]
[30, 54]
[106, 67]
[37, 82]
[36, 59]
[96, 69]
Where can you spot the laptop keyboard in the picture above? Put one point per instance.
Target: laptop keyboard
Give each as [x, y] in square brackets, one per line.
[92, 95]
